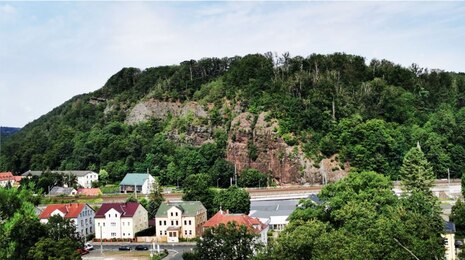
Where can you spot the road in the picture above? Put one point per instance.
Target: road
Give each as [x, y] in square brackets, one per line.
[110, 251]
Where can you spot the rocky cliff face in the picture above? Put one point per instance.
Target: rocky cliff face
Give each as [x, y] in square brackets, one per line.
[252, 142]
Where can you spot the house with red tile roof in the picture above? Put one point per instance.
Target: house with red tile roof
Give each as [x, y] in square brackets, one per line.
[89, 191]
[5, 178]
[80, 213]
[120, 220]
[254, 224]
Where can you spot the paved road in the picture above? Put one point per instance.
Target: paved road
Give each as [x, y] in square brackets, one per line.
[110, 251]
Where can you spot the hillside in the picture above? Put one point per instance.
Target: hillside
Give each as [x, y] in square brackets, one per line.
[296, 119]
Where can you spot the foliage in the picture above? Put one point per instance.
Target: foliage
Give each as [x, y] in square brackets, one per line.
[361, 217]
[416, 172]
[196, 187]
[252, 178]
[234, 199]
[457, 216]
[225, 242]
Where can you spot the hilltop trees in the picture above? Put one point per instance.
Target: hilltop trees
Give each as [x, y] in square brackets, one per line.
[234, 199]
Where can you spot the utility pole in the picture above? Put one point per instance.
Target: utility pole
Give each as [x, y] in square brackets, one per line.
[101, 239]
[235, 174]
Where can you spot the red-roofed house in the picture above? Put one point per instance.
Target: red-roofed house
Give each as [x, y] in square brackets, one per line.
[6, 177]
[89, 191]
[224, 217]
[120, 220]
[80, 213]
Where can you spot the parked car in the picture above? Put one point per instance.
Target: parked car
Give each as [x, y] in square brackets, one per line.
[142, 247]
[88, 246]
[82, 251]
[124, 248]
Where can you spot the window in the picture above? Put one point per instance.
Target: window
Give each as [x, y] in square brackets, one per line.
[161, 223]
[164, 222]
[190, 232]
[185, 232]
[99, 224]
[82, 222]
[176, 214]
[171, 213]
[161, 233]
[177, 223]
[124, 234]
[185, 222]
[190, 222]
[116, 216]
[113, 224]
[113, 234]
[103, 223]
[172, 223]
[90, 229]
[86, 221]
[165, 232]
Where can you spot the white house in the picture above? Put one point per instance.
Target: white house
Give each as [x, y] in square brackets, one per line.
[120, 220]
[179, 219]
[137, 182]
[80, 213]
[83, 178]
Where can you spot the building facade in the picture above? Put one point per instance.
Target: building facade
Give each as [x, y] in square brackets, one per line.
[81, 214]
[83, 178]
[179, 220]
[120, 220]
[137, 183]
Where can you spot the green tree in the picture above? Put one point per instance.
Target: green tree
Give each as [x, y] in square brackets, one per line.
[458, 217]
[416, 173]
[103, 176]
[196, 187]
[234, 199]
[61, 228]
[252, 178]
[226, 242]
[48, 248]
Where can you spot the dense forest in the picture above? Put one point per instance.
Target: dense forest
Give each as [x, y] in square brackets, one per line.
[370, 113]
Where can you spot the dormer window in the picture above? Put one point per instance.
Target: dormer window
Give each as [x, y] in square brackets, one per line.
[171, 213]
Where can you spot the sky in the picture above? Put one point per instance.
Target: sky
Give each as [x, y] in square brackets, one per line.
[52, 51]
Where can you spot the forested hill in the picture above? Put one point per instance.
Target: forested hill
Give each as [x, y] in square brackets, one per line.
[292, 118]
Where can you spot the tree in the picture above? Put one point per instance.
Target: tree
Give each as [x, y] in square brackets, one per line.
[196, 187]
[226, 242]
[234, 199]
[252, 178]
[59, 228]
[49, 248]
[417, 174]
[155, 199]
[103, 176]
[458, 217]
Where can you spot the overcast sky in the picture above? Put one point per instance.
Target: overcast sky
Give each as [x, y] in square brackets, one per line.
[50, 52]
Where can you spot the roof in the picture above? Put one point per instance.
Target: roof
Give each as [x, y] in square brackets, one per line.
[222, 217]
[5, 176]
[71, 172]
[56, 190]
[134, 179]
[126, 209]
[315, 199]
[71, 210]
[89, 191]
[188, 208]
[449, 227]
[17, 178]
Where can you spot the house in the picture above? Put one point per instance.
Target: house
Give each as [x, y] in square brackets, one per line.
[17, 181]
[449, 240]
[6, 178]
[80, 213]
[62, 191]
[254, 224]
[120, 220]
[175, 220]
[137, 182]
[89, 191]
[274, 213]
[83, 178]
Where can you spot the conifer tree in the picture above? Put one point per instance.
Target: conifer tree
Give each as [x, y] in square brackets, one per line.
[416, 172]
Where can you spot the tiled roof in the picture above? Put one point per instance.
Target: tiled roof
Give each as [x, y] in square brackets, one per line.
[73, 172]
[222, 217]
[17, 178]
[89, 191]
[188, 208]
[71, 210]
[4, 176]
[134, 179]
[127, 209]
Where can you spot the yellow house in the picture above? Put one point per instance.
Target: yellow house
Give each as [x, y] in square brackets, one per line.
[449, 240]
[176, 220]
